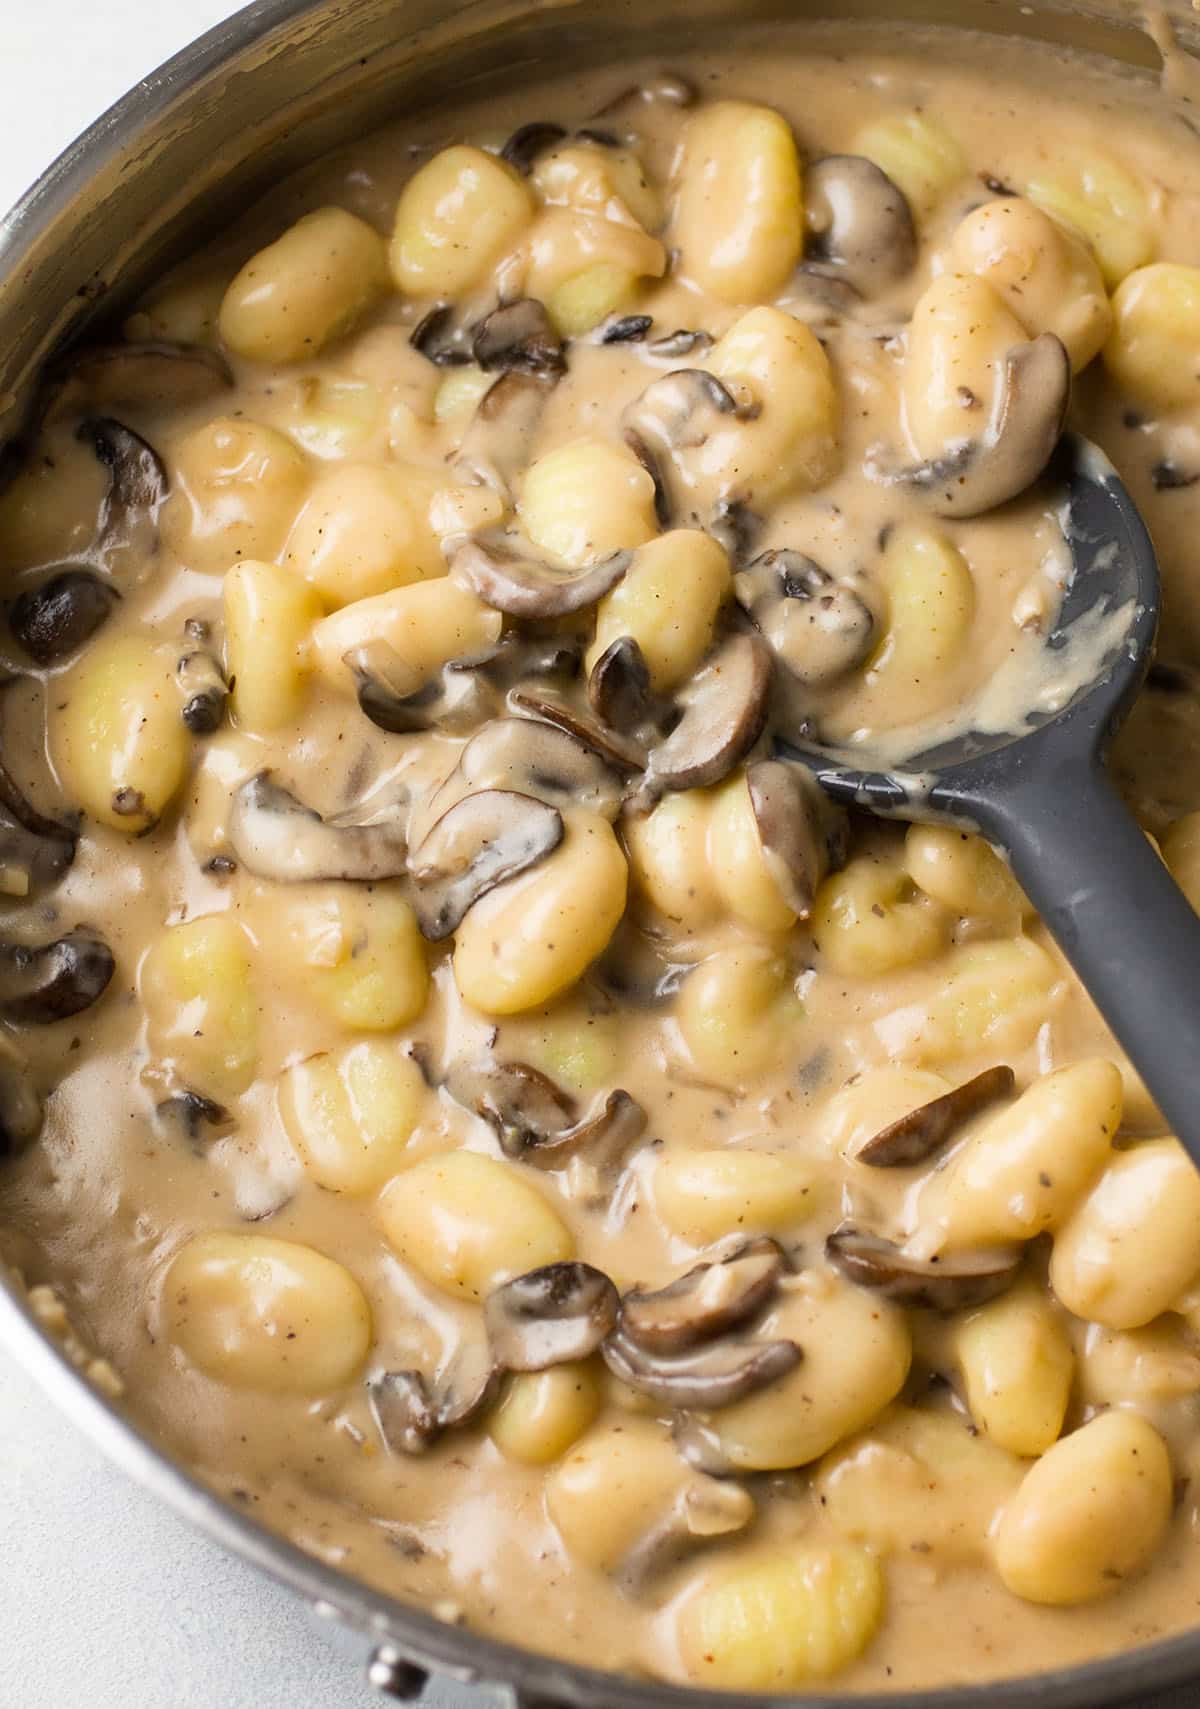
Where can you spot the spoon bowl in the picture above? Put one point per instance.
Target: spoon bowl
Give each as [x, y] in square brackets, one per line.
[1034, 784]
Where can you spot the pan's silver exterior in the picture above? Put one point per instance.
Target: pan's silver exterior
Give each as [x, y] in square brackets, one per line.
[274, 86]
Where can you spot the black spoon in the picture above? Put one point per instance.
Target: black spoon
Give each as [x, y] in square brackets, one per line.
[1041, 794]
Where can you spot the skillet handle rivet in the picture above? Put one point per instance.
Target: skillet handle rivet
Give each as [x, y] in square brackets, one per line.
[393, 1676]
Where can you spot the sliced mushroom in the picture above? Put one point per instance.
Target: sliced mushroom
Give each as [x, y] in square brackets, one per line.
[396, 698]
[704, 1509]
[56, 618]
[939, 1284]
[528, 141]
[684, 341]
[496, 445]
[34, 851]
[802, 832]
[151, 373]
[187, 1114]
[619, 687]
[521, 1104]
[860, 225]
[521, 585]
[411, 1413]
[818, 628]
[708, 1301]
[714, 1375]
[550, 1316]
[519, 337]
[138, 476]
[634, 971]
[917, 1136]
[202, 683]
[441, 338]
[276, 836]
[723, 709]
[680, 411]
[621, 752]
[534, 758]
[601, 1138]
[482, 841]
[50, 982]
[626, 329]
[1026, 424]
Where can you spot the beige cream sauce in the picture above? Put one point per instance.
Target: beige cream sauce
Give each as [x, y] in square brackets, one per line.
[100, 1205]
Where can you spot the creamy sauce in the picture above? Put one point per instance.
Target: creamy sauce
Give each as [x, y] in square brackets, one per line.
[108, 1196]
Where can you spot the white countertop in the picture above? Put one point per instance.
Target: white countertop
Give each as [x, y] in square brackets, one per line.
[107, 1601]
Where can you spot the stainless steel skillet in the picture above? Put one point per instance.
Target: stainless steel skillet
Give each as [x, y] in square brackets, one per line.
[278, 84]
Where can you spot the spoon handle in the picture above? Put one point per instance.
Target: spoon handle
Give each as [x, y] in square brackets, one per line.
[1119, 917]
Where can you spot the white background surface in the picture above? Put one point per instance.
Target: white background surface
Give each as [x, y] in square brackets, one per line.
[107, 1601]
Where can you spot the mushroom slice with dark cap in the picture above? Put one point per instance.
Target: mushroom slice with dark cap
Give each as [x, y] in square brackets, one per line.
[55, 618]
[519, 337]
[602, 1137]
[479, 843]
[138, 477]
[495, 447]
[680, 411]
[187, 1114]
[202, 684]
[411, 1412]
[528, 141]
[513, 580]
[534, 758]
[441, 338]
[619, 688]
[715, 1374]
[549, 1316]
[625, 329]
[708, 1301]
[276, 836]
[940, 1284]
[519, 1103]
[860, 225]
[1027, 419]
[396, 698]
[815, 626]
[802, 832]
[917, 1136]
[34, 850]
[623, 753]
[50, 982]
[723, 710]
[153, 372]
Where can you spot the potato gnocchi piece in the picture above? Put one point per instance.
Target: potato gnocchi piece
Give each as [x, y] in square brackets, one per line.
[668, 858]
[1017, 1366]
[365, 530]
[739, 202]
[576, 259]
[1022, 1172]
[269, 618]
[704, 1195]
[266, 1314]
[357, 950]
[870, 919]
[426, 624]
[531, 938]
[740, 870]
[1110, 206]
[466, 1223]
[781, 1617]
[1132, 1246]
[196, 986]
[1154, 349]
[542, 1414]
[350, 1115]
[1145, 1368]
[917, 153]
[236, 486]
[857, 1351]
[992, 997]
[1046, 274]
[735, 1010]
[306, 288]
[964, 874]
[667, 601]
[456, 217]
[1088, 1515]
[611, 183]
[960, 333]
[117, 735]
[918, 1480]
[585, 500]
[930, 598]
[793, 444]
